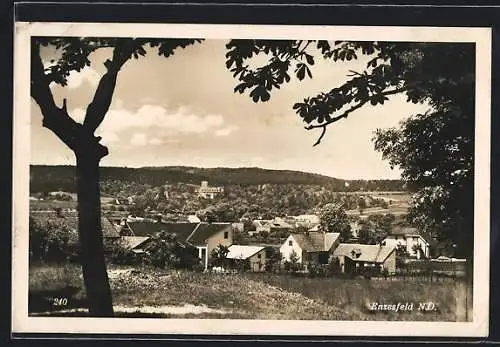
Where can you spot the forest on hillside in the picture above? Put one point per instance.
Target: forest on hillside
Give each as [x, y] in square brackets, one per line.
[45, 178]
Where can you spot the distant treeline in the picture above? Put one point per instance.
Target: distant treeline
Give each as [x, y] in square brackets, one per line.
[44, 178]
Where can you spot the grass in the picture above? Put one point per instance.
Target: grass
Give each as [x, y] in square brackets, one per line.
[360, 293]
[250, 296]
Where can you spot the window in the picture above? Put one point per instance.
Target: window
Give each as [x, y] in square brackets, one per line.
[290, 243]
[415, 238]
[258, 256]
[226, 234]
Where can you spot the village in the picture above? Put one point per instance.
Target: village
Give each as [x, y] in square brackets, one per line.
[306, 244]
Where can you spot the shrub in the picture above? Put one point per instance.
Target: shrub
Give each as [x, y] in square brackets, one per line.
[164, 251]
[318, 270]
[52, 240]
[118, 253]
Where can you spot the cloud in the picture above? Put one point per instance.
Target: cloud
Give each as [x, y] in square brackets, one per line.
[139, 139]
[226, 131]
[155, 141]
[87, 74]
[77, 78]
[154, 117]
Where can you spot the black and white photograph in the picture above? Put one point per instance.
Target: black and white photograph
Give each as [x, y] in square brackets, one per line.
[251, 179]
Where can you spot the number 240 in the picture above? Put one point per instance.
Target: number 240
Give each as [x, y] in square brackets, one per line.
[60, 301]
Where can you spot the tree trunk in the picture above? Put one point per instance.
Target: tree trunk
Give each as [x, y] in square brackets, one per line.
[90, 233]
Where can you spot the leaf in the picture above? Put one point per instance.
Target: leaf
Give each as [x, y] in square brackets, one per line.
[310, 59]
[300, 71]
[308, 71]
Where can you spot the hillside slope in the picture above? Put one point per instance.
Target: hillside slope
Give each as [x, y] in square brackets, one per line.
[53, 178]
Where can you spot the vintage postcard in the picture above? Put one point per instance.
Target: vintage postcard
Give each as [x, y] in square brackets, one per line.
[251, 180]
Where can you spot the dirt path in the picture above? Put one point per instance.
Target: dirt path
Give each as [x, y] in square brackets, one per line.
[166, 310]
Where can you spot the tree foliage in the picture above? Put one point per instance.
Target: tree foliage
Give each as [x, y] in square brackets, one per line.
[165, 251]
[333, 219]
[52, 240]
[218, 256]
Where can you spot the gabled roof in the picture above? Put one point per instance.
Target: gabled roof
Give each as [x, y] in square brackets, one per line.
[314, 241]
[70, 219]
[206, 230]
[134, 241]
[193, 233]
[365, 253]
[243, 252]
[148, 228]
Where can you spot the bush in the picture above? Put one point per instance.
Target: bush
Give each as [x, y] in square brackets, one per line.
[165, 252]
[52, 241]
[118, 253]
[318, 270]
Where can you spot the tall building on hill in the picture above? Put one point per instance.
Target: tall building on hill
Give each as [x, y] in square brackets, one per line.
[207, 191]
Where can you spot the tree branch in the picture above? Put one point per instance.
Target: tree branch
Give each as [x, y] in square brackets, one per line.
[97, 109]
[54, 118]
[320, 136]
[347, 113]
[354, 108]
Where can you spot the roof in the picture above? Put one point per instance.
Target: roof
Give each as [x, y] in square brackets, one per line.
[193, 233]
[70, 219]
[243, 252]
[134, 241]
[406, 231]
[205, 231]
[148, 228]
[365, 253]
[315, 241]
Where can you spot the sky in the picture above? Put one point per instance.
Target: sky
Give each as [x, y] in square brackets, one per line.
[182, 110]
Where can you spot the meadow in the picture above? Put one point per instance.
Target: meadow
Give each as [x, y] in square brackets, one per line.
[149, 292]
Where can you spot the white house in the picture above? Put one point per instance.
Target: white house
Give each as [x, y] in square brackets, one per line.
[193, 219]
[310, 247]
[207, 191]
[415, 244]
[255, 255]
[262, 225]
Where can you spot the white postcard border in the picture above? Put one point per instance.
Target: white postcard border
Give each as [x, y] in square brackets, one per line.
[21, 323]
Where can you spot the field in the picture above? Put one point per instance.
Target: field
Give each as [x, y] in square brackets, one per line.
[183, 294]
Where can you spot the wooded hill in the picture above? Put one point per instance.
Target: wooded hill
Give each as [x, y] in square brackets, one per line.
[44, 178]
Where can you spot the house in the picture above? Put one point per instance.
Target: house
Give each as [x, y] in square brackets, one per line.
[354, 257]
[206, 191]
[310, 247]
[204, 236]
[307, 220]
[192, 218]
[280, 227]
[135, 243]
[255, 255]
[262, 225]
[415, 245]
